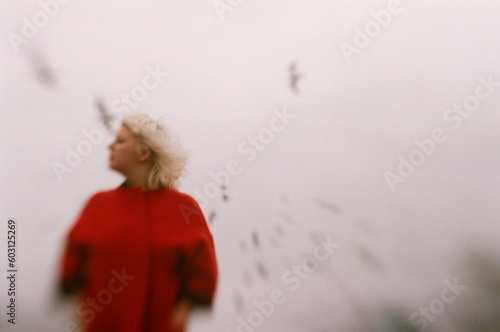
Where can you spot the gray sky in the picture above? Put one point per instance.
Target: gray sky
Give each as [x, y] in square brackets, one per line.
[354, 117]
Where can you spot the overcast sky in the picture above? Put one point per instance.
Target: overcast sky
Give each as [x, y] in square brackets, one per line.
[374, 78]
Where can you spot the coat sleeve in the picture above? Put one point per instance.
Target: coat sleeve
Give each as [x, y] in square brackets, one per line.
[199, 272]
[72, 269]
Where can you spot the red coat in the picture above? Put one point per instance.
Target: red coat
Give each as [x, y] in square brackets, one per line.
[136, 254]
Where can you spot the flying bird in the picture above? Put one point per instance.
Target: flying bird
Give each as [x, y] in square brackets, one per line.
[261, 270]
[368, 257]
[211, 217]
[280, 230]
[315, 237]
[238, 301]
[327, 206]
[294, 77]
[287, 218]
[106, 117]
[43, 71]
[225, 197]
[255, 239]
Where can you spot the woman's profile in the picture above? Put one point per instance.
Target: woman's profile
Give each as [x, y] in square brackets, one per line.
[141, 255]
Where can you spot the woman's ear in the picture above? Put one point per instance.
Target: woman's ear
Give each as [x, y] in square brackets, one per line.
[144, 154]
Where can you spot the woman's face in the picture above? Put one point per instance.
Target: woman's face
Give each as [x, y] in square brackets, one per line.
[123, 153]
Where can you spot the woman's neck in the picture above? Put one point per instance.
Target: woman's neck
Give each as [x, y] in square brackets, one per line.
[138, 179]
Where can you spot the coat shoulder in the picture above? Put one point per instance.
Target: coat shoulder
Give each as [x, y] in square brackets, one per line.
[104, 194]
[184, 198]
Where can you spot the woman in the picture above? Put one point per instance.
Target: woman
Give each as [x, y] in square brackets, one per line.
[142, 253]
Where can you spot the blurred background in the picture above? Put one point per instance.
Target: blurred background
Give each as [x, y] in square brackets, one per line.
[387, 146]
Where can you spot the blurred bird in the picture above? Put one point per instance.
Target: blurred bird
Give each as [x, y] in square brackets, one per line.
[262, 270]
[43, 72]
[225, 197]
[368, 257]
[287, 218]
[106, 117]
[327, 206]
[294, 77]
[280, 230]
[315, 237]
[255, 239]
[238, 301]
[211, 217]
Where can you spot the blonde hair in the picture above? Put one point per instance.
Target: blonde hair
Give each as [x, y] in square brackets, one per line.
[169, 159]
